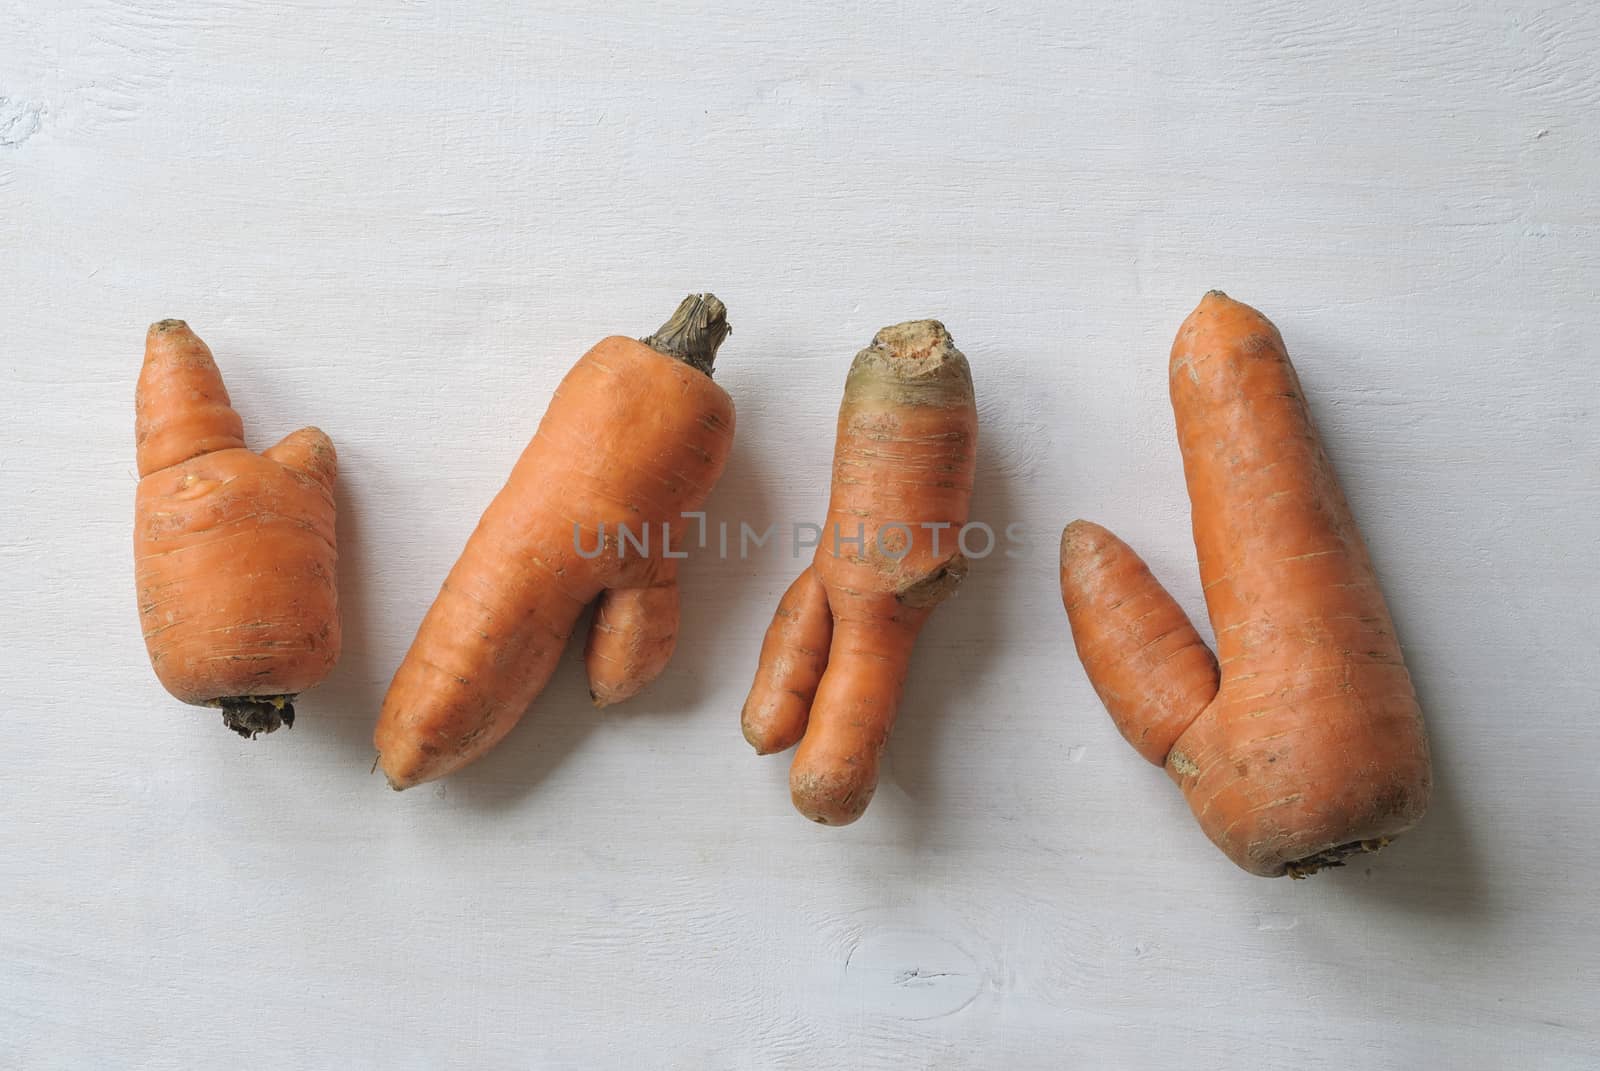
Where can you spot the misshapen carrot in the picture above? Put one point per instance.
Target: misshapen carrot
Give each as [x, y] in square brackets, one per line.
[635, 437]
[834, 662]
[1308, 744]
[794, 656]
[233, 551]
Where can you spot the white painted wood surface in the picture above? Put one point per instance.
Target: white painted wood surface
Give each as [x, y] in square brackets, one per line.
[403, 221]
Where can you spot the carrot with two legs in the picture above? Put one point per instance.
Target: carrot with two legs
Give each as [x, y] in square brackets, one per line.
[834, 663]
[1302, 741]
[635, 437]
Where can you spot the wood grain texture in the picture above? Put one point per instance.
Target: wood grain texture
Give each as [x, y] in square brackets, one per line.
[402, 222]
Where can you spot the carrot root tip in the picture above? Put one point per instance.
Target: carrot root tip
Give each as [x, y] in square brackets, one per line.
[388, 777]
[252, 715]
[1334, 857]
[762, 746]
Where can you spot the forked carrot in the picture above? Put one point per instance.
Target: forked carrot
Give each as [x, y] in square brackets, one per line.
[834, 662]
[233, 551]
[635, 437]
[1307, 745]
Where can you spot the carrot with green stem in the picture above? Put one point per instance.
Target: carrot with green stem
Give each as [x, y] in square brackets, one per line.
[234, 552]
[593, 512]
[834, 663]
[1301, 742]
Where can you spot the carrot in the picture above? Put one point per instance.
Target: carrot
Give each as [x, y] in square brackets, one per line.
[636, 436]
[1308, 745]
[233, 551]
[834, 662]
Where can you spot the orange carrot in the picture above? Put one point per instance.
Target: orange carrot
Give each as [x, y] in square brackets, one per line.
[233, 551]
[835, 659]
[794, 656]
[1308, 746]
[635, 437]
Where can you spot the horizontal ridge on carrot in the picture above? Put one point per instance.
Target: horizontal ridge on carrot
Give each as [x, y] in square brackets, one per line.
[834, 662]
[234, 555]
[1301, 743]
[635, 437]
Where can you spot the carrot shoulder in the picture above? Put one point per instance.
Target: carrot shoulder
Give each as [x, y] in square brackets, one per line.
[1309, 744]
[834, 664]
[234, 555]
[636, 436]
